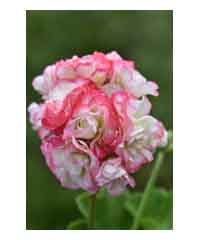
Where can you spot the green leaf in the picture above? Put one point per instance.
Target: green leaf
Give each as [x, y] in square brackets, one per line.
[110, 211]
[157, 213]
[79, 224]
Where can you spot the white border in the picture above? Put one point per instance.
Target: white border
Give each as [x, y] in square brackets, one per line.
[100, 5]
[186, 119]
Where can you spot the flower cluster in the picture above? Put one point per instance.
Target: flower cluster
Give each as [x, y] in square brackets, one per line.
[94, 122]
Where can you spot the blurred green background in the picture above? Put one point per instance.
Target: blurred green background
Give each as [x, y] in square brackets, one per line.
[143, 36]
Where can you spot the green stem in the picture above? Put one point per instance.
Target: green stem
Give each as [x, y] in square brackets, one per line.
[148, 189]
[92, 212]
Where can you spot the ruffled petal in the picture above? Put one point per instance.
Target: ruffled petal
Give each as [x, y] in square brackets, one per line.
[140, 143]
[35, 115]
[114, 56]
[54, 115]
[119, 185]
[112, 175]
[138, 108]
[139, 86]
[153, 130]
[65, 70]
[70, 165]
[61, 90]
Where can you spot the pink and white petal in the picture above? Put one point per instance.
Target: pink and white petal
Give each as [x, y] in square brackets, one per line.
[49, 78]
[110, 170]
[43, 132]
[69, 165]
[44, 83]
[83, 147]
[147, 154]
[62, 89]
[122, 74]
[117, 187]
[57, 164]
[151, 88]
[140, 86]
[113, 170]
[120, 101]
[66, 179]
[138, 108]
[110, 88]
[154, 131]
[65, 70]
[85, 70]
[38, 84]
[113, 56]
[130, 180]
[54, 114]
[101, 62]
[135, 161]
[35, 114]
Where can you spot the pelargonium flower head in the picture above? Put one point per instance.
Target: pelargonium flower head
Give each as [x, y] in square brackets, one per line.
[94, 121]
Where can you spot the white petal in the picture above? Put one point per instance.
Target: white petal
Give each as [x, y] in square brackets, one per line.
[62, 90]
[138, 108]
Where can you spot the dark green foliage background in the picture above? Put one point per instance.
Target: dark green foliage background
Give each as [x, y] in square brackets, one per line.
[143, 36]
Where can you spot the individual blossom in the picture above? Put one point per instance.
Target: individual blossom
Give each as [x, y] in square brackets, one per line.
[114, 176]
[126, 77]
[94, 118]
[73, 165]
[143, 133]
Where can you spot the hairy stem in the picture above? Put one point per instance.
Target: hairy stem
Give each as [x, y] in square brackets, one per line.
[92, 212]
[148, 189]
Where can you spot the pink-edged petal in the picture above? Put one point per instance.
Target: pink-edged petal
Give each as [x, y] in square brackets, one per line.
[139, 86]
[119, 185]
[65, 70]
[85, 70]
[35, 114]
[138, 108]
[113, 176]
[101, 62]
[140, 143]
[38, 84]
[49, 79]
[122, 73]
[44, 83]
[110, 170]
[114, 56]
[153, 130]
[61, 90]
[70, 165]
